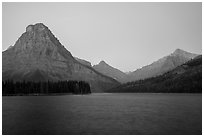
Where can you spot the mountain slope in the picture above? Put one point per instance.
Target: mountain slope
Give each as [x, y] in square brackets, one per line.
[110, 71]
[161, 66]
[39, 56]
[82, 61]
[186, 78]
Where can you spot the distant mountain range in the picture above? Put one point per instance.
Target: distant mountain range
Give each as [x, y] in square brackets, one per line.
[161, 66]
[186, 78]
[39, 56]
[158, 67]
[110, 71]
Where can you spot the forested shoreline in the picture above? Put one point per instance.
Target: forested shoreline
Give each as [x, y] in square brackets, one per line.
[10, 87]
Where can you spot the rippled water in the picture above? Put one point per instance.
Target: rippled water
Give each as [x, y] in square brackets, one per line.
[103, 114]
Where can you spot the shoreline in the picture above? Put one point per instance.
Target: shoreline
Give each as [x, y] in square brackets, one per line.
[61, 94]
[42, 94]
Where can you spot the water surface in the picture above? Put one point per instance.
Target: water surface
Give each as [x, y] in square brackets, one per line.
[103, 114]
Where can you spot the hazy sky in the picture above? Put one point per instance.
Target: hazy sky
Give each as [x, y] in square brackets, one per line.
[125, 35]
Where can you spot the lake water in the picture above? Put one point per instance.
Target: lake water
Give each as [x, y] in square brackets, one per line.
[103, 114]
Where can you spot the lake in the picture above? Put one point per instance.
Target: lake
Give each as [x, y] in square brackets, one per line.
[100, 113]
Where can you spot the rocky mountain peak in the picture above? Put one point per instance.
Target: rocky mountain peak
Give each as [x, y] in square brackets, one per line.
[102, 62]
[110, 71]
[180, 52]
[36, 27]
[37, 40]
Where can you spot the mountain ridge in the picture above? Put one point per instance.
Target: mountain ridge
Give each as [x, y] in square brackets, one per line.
[161, 66]
[158, 67]
[186, 78]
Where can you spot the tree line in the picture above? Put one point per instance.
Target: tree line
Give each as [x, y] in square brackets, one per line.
[178, 85]
[10, 87]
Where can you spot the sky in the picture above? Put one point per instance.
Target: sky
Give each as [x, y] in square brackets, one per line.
[127, 36]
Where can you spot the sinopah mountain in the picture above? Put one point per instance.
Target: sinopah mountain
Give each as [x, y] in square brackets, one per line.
[39, 56]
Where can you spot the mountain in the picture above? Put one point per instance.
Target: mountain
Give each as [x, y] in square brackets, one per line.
[161, 66]
[39, 56]
[84, 62]
[186, 78]
[110, 71]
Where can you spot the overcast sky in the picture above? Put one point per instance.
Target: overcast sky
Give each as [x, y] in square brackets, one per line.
[125, 35]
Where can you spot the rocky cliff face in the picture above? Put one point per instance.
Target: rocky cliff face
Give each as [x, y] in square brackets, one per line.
[39, 56]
